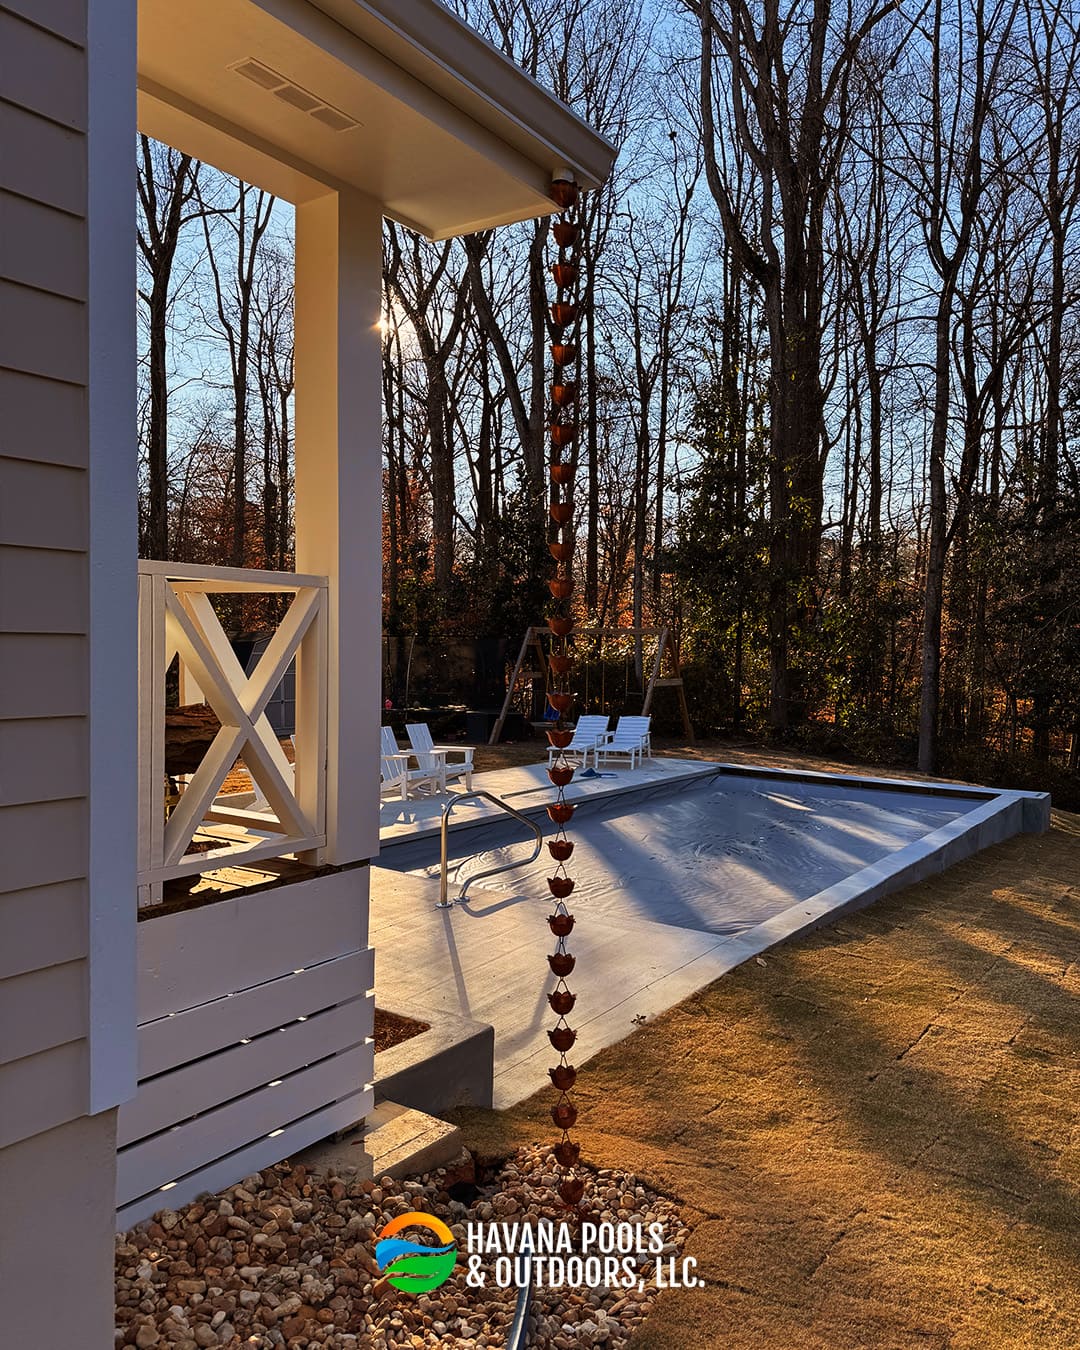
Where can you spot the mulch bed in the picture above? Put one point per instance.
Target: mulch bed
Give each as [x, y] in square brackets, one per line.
[392, 1029]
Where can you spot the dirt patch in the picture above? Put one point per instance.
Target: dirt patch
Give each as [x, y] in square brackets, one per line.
[874, 1128]
[392, 1029]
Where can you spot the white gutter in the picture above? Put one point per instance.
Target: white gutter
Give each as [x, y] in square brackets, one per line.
[431, 43]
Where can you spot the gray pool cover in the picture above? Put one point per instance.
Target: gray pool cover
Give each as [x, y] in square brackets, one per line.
[719, 857]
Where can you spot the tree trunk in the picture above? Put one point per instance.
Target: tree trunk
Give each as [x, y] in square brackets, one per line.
[934, 597]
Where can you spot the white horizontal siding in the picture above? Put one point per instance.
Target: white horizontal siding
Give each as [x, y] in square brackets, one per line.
[42, 590]
[249, 1064]
[253, 1157]
[255, 1038]
[44, 420]
[42, 926]
[193, 957]
[42, 1090]
[154, 1162]
[41, 73]
[167, 1042]
[41, 1009]
[43, 247]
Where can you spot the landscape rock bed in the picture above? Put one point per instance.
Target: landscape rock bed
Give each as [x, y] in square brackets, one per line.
[287, 1258]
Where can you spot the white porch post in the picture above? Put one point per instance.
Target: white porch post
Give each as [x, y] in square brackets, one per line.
[339, 492]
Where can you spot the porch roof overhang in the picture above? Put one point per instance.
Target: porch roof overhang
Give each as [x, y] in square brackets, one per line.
[398, 99]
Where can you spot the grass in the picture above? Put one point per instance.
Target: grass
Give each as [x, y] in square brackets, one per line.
[876, 1133]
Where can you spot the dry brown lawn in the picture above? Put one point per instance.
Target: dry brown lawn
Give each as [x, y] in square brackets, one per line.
[875, 1133]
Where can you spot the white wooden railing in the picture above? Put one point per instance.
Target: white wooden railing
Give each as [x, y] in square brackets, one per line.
[176, 618]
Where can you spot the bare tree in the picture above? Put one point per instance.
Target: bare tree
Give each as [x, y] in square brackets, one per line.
[958, 79]
[272, 305]
[167, 186]
[787, 78]
[244, 223]
[435, 313]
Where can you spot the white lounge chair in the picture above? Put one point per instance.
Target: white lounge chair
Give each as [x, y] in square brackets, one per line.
[588, 734]
[630, 740]
[435, 758]
[396, 774]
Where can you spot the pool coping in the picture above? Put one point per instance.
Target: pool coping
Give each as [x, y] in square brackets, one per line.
[1035, 805]
[697, 958]
[1002, 814]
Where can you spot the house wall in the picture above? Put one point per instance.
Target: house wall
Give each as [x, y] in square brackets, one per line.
[58, 1294]
[44, 574]
[67, 485]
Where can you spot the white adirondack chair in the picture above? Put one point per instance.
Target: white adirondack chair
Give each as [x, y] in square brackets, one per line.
[429, 755]
[394, 776]
[630, 740]
[588, 734]
[397, 777]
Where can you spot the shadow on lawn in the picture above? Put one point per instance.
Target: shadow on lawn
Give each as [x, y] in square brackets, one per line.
[873, 1130]
[965, 1094]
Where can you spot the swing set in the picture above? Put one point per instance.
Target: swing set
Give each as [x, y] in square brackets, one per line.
[536, 668]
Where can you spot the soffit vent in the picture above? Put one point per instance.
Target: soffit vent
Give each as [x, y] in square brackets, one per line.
[302, 99]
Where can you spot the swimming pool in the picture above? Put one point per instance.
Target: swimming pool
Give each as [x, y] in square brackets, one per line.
[719, 856]
[684, 870]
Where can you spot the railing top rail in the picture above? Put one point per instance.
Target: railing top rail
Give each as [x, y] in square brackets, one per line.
[193, 576]
[456, 800]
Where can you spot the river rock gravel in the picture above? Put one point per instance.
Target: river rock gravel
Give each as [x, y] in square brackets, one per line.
[287, 1258]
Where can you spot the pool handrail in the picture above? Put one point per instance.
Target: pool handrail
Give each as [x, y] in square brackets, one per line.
[458, 797]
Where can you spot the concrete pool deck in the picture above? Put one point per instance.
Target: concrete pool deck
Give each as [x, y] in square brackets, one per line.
[485, 960]
[528, 789]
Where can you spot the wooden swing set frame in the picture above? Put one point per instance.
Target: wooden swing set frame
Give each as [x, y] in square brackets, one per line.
[665, 643]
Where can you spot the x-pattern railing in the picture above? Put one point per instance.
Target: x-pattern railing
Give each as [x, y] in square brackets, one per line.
[177, 618]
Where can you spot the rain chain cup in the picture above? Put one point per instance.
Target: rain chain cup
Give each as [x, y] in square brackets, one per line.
[563, 429]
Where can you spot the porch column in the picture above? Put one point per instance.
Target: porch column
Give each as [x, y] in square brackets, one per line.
[339, 491]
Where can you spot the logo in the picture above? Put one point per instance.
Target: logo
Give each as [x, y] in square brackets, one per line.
[412, 1266]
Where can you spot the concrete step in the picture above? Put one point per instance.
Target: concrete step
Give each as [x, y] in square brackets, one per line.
[395, 1141]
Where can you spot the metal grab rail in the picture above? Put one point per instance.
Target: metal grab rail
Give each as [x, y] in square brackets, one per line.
[443, 902]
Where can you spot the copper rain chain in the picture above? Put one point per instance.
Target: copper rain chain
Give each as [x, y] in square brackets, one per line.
[563, 427]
